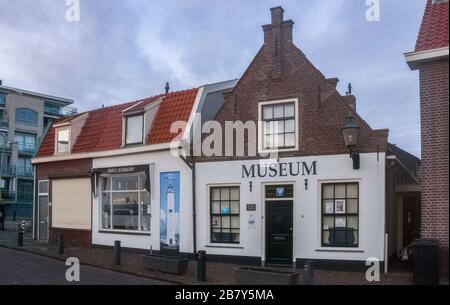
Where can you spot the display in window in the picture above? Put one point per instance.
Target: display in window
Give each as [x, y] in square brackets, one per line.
[340, 207]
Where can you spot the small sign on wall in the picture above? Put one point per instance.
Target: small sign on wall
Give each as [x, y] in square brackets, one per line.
[251, 207]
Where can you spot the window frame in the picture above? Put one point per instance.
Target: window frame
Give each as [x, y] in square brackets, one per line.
[126, 129]
[110, 192]
[335, 215]
[27, 112]
[57, 152]
[24, 142]
[261, 121]
[3, 99]
[211, 215]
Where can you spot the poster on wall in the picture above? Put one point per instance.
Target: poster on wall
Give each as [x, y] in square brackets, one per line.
[170, 211]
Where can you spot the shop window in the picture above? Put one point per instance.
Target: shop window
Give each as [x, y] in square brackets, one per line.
[63, 141]
[340, 214]
[125, 203]
[26, 116]
[279, 126]
[225, 214]
[134, 130]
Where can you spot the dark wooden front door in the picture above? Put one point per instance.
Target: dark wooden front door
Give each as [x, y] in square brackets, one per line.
[279, 231]
[411, 219]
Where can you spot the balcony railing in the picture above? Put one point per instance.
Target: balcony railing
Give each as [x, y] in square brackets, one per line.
[27, 148]
[25, 172]
[4, 123]
[58, 112]
[9, 170]
[8, 195]
[24, 197]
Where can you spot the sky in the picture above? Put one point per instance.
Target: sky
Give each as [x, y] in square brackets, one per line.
[124, 50]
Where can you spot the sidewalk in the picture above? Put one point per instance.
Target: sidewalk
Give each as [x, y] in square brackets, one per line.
[217, 273]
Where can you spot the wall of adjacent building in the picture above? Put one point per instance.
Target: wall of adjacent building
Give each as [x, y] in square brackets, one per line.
[434, 99]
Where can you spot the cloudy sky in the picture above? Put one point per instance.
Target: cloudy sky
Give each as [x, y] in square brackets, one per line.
[123, 50]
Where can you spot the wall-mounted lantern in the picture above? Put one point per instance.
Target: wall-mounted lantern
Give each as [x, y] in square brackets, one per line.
[351, 131]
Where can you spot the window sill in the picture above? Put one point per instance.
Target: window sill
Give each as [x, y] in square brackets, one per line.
[349, 250]
[224, 246]
[124, 232]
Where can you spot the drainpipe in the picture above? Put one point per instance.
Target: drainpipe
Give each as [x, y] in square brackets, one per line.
[194, 209]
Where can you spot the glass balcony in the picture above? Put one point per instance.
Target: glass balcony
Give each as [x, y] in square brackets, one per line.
[24, 197]
[4, 123]
[8, 195]
[27, 148]
[25, 172]
[9, 171]
[58, 111]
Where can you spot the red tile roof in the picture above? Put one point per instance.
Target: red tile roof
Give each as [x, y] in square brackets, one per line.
[434, 30]
[102, 130]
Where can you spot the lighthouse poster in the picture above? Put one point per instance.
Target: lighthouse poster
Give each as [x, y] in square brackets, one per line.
[170, 211]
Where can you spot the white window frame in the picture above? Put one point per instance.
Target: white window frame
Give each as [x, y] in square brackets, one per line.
[261, 148]
[126, 129]
[111, 215]
[319, 247]
[56, 140]
[209, 243]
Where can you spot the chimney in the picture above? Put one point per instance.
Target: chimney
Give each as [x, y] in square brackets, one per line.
[167, 88]
[333, 81]
[351, 100]
[276, 36]
[279, 28]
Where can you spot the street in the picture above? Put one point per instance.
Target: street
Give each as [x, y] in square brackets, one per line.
[20, 268]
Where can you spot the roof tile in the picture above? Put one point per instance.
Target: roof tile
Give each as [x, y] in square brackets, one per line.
[434, 29]
[102, 130]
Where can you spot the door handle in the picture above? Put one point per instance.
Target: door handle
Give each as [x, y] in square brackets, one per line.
[291, 229]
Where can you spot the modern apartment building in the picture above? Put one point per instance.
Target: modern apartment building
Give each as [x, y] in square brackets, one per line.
[25, 117]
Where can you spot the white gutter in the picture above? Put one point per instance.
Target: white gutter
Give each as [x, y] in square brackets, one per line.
[413, 59]
[103, 154]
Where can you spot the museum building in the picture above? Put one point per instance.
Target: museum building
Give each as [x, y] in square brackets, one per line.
[336, 191]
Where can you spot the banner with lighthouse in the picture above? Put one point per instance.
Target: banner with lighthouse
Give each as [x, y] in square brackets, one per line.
[170, 211]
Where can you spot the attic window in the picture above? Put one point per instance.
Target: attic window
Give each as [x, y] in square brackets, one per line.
[134, 131]
[63, 141]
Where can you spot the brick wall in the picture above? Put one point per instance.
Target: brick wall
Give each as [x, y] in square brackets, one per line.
[61, 169]
[281, 71]
[72, 238]
[66, 169]
[434, 96]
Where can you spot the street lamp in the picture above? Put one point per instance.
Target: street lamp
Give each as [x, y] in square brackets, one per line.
[350, 132]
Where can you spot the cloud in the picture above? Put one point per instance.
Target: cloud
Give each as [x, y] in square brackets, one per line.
[126, 50]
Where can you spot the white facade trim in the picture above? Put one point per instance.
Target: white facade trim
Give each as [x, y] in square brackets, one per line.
[104, 154]
[415, 58]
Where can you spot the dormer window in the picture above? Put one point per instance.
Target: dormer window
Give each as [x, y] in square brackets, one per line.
[134, 131]
[63, 141]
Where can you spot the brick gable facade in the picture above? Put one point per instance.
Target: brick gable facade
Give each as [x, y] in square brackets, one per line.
[281, 71]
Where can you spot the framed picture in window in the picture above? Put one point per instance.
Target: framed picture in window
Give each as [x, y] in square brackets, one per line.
[339, 207]
[340, 222]
[329, 207]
